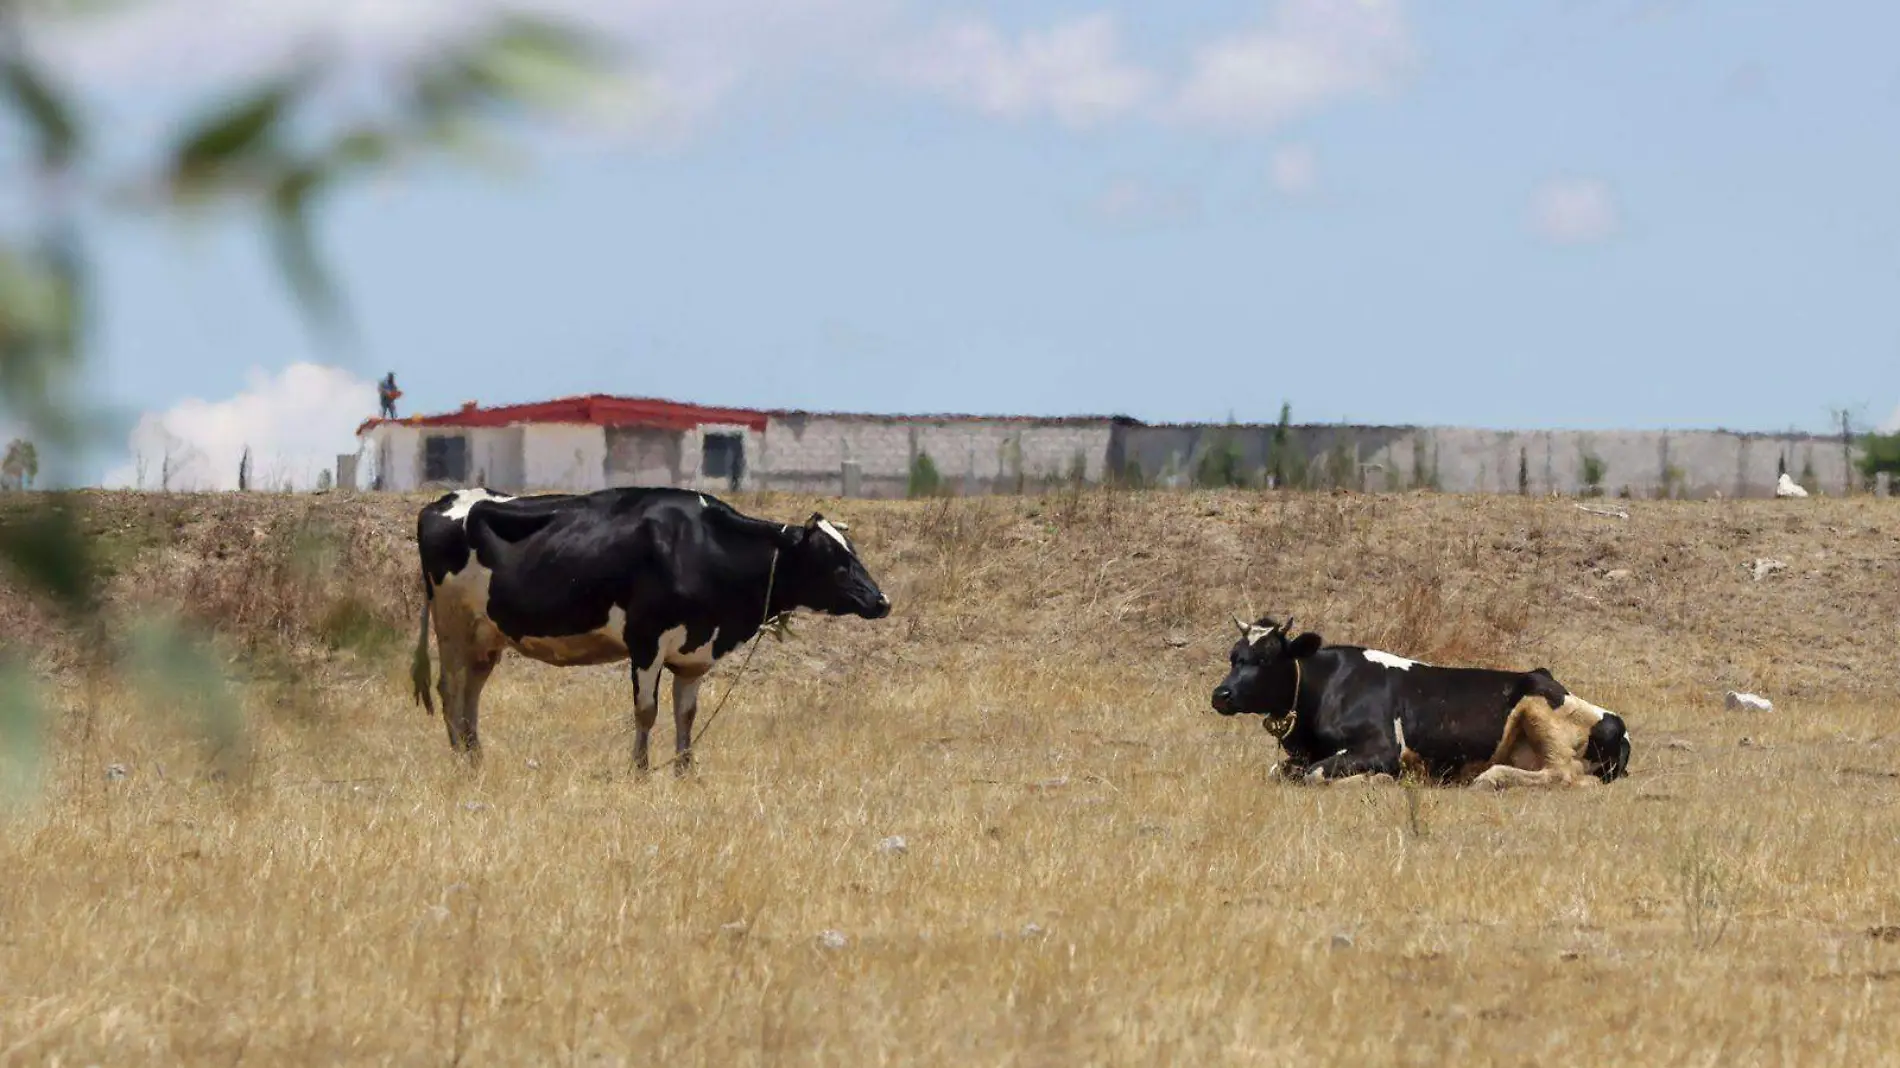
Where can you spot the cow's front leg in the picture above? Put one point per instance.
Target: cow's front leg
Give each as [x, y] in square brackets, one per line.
[647, 665]
[685, 707]
[1350, 762]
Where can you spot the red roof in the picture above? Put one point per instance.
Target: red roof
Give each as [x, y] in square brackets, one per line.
[593, 410]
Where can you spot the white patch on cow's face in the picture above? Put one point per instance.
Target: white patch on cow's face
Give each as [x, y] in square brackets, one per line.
[1257, 634]
[1388, 660]
[825, 525]
[468, 499]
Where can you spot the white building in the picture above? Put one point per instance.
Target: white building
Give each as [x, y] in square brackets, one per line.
[578, 444]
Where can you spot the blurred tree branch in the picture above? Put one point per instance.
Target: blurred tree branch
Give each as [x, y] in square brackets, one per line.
[242, 151]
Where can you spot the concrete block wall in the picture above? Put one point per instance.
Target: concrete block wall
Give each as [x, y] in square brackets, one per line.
[807, 453]
[1693, 463]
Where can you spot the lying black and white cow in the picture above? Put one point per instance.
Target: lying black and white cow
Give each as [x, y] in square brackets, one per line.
[1341, 711]
[667, 578]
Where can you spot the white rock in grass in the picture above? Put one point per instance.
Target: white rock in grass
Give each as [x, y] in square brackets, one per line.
[833, 939]
[1737, 701]
[115, 772]
[894, 846]
[1031, 930]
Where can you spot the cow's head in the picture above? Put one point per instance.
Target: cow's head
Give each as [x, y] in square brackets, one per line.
[821, 571]
[1607, 753]
[1262, 674]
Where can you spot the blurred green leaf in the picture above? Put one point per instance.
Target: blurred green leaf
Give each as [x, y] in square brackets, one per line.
[22, 724]
[293, 240]
[47, 548]
[230, 141]
[525, 60]
[44, 109]
[184, 673]
[365, 148]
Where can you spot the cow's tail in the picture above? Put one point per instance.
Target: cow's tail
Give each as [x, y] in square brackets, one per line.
[419, 672]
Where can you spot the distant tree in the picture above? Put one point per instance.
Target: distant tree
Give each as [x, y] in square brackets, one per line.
[21, 466]
[1846, 420]
[1342, 469]
[244, 470]
[1781, 466]
[325, 481]
[1590, 470]
[925, 480]
[1523, 472]
[1220, 465]
[1880, 453]
[1286, 464]
[1807, 474]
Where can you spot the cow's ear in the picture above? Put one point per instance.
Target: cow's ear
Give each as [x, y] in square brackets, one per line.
[1303, 646]
[816, 518]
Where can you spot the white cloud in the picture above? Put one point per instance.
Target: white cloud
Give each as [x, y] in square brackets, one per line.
[1574, 211]
[692, 59]
[687, 57]
[295, 423]
[1073, 70]
[1309, 54]
[1294, 170]
[1131, 200]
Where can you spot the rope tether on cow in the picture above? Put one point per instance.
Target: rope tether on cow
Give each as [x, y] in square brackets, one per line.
[1283, 726]
[765, 623]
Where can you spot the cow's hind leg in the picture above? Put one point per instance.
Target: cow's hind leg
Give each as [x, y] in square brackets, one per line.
[481, 665]
[685, 708]
[647, 665]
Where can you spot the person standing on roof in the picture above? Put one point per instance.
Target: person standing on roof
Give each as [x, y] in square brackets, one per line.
[386, 393]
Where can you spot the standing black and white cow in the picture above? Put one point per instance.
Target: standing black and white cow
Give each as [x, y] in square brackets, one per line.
[667, 578]
[1341, 711]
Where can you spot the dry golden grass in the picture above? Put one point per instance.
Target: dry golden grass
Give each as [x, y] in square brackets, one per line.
[1097, 869]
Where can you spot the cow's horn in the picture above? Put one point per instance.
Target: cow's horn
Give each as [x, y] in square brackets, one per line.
[1244, 629]
[1287, 627]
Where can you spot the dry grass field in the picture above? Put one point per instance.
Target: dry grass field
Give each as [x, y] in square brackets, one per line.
[1097, 870]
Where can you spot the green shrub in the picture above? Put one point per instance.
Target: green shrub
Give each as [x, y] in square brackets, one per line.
[1220, 466]
[925, 481]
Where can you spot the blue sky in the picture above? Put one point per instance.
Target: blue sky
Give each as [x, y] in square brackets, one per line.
[1546, 213]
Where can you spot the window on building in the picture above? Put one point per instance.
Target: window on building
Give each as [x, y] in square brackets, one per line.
[724, 457]
[444, 459]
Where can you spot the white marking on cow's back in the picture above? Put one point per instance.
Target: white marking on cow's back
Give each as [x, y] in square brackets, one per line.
[1398, 733]
[1388, 660]
[825, 525]
[466, 500]
[703, 502]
